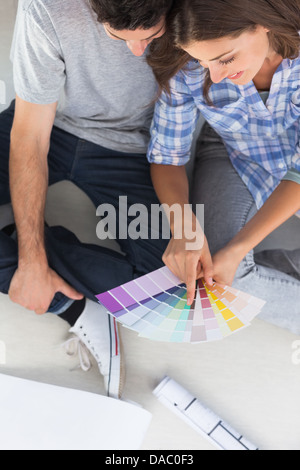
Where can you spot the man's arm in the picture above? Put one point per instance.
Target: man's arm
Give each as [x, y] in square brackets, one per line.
[34, 284]
[30, 137]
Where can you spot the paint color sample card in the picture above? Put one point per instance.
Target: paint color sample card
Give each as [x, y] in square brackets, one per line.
[156, 307]
[37, 416]
[199, 417]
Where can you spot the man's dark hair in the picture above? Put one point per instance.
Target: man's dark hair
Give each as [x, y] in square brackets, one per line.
[131, 14]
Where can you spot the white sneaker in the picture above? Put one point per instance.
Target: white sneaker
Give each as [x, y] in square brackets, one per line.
[98, 332]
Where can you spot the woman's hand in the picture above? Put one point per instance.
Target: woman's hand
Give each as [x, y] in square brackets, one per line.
[189, 265]
[226, 262]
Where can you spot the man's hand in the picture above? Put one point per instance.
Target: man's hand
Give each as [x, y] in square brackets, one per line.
[34, 288]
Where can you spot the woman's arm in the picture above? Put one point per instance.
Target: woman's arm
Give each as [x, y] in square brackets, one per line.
[172, 131]
[172, 188]
[282, 204]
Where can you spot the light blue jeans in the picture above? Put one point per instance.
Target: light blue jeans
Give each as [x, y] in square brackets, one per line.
[272, 275]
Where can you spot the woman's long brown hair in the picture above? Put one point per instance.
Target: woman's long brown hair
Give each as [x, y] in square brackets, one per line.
[202, 20]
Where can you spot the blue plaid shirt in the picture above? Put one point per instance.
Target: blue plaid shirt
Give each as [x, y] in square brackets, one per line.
[262, 139]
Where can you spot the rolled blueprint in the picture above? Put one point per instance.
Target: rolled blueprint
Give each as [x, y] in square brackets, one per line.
[199, 417]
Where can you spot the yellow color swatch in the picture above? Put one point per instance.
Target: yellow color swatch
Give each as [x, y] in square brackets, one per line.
[227, 314]
[212, 295]
[235, 324]
[220, 305]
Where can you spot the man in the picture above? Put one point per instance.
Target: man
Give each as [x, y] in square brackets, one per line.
[82, 113]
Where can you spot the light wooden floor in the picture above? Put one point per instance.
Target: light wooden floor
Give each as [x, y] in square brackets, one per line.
[249, 379]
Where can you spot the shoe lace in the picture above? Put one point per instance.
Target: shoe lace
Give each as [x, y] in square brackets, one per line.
[75, 347]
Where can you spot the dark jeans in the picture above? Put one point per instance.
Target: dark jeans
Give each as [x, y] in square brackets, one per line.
[103, 175]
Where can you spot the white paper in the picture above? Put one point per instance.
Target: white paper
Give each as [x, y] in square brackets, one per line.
[36, 416]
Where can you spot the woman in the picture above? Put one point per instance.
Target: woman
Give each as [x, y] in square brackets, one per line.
[237, 63]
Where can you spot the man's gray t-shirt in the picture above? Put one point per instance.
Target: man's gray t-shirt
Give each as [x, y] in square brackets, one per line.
[61, 53]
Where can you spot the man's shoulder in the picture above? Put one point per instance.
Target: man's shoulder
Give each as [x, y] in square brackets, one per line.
[39, 5]
[54, 8]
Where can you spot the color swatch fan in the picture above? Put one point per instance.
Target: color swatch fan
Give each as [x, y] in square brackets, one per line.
[156, 307]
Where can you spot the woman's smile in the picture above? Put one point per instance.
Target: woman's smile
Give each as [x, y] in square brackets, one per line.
[235, 76]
